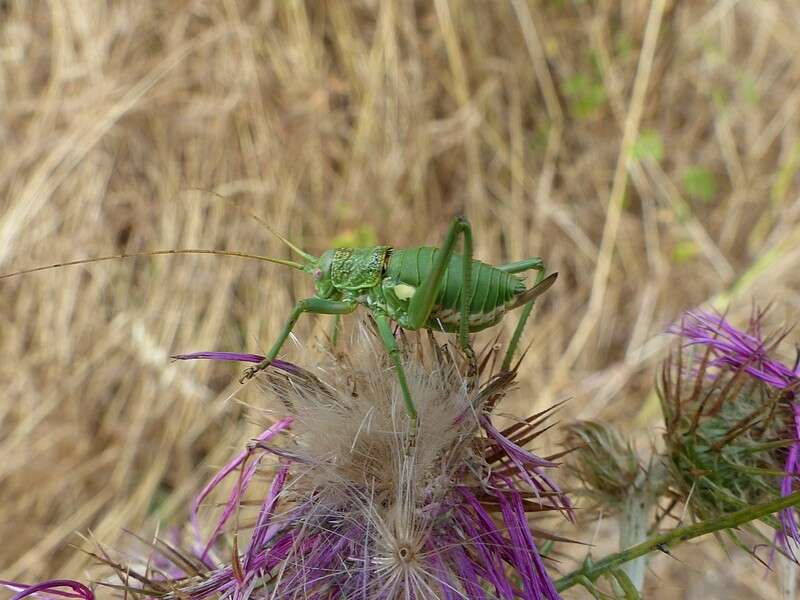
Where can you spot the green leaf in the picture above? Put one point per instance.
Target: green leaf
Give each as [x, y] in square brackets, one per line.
[684, 251]
[591, 588]
[719, 97]
[649, 145]
[628, 589]
[586, 95]
[623, 45]
[749, 89]
[700, 184]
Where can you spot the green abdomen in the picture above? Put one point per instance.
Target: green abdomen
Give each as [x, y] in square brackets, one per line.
[491, 288]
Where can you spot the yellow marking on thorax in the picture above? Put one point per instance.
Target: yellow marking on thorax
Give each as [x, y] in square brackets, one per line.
[404, 291]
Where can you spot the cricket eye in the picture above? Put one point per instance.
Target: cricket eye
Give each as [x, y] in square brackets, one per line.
[317, 274]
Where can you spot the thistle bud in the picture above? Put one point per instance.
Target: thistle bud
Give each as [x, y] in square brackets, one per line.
[613, 477]
[606, 465]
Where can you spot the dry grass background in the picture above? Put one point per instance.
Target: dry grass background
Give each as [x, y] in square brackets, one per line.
[647, 149]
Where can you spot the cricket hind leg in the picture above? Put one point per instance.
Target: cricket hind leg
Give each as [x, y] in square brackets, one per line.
[525, 264]
[421, 305]
[310, 305]
[520, 266]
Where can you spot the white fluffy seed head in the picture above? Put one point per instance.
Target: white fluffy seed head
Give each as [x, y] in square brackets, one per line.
[352, 429]
[358, 457]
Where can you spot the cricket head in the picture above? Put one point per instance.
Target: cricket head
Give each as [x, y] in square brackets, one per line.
[349, 270]
[342, 269]
[322, 270]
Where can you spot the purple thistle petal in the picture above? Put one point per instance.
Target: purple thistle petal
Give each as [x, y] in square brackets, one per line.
[315, 554]
[51, 588]
[442, 574]
[470, 572]
[490, 543]
[521, 559]
[236, 493]
[791, 467]
[527, 559]
[236, 356]
[734, 348]
[528, 465]
[519, 552]
[542, 578]
[261, 531]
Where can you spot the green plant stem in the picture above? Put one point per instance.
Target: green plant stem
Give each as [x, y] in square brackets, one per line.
[662, 542]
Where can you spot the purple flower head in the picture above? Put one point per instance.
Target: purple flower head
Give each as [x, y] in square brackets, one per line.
[727, 354]
[362, 506]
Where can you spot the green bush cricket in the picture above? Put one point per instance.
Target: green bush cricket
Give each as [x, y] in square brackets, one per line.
[417, 288]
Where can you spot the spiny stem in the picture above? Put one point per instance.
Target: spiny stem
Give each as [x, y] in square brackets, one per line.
[592, 571]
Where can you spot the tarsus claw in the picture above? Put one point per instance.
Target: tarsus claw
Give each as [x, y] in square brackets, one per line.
[250, 372]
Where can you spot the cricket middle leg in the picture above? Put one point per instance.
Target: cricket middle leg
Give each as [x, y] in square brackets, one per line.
[310, 305]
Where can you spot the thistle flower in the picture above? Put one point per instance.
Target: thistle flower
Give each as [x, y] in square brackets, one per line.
[362, 505]
[731, 414]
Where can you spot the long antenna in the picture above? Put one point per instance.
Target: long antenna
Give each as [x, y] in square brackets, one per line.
[260, 221]
[277, 261]
[301, 252]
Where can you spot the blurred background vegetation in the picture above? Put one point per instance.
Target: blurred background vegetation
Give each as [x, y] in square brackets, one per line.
[648, 150]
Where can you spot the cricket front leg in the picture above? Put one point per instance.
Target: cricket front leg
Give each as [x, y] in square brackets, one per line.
[336, 329]
[419, 309]
[310, 305]
[385, 331]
